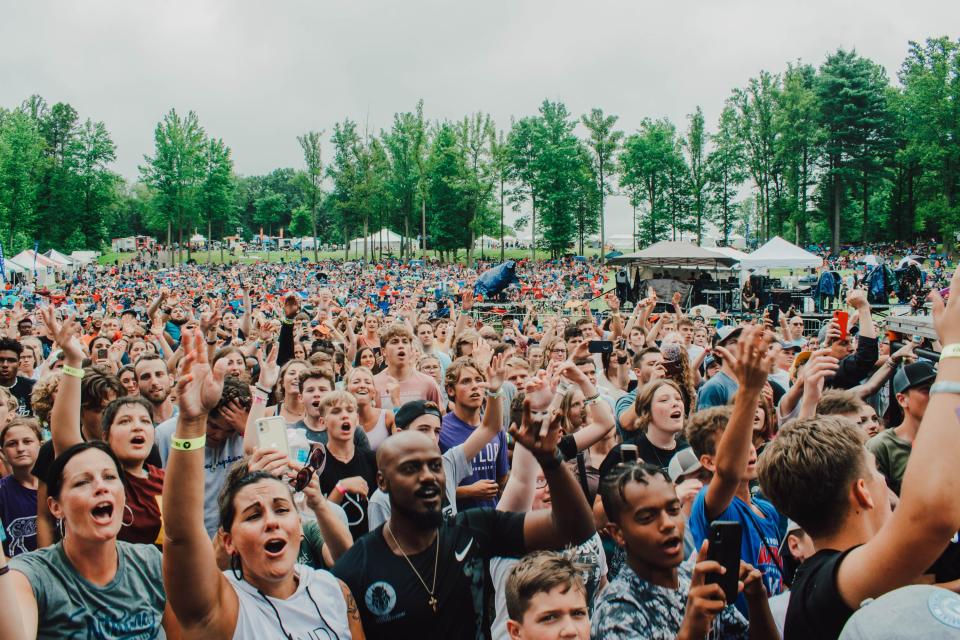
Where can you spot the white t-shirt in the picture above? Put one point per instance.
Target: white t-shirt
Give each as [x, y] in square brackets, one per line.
[588, 554]
[315, 610]
[455, 468]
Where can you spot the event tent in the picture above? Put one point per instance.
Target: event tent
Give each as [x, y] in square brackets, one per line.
[66, 262]
[730, 252]
[778, 253]
[486, 242]
[10, 268]
[389, 241]
[668, 253]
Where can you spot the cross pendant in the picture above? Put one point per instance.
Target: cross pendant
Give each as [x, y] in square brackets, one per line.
[433, 604]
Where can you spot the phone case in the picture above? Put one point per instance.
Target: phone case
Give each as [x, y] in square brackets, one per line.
[725, 549]
[272, 434]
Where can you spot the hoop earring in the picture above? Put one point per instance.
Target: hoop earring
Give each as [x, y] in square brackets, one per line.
[126, 508]
[235, 567]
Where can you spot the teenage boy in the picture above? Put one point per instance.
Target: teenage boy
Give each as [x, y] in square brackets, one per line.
[467, 390]
[397, 343]
[423, 416]
[728, 452]
[656, 594]
[349, 471]
[154, 383]
[19, 386]
[314, 385]
[546, 599]
[647, 366]
[425, 335]
[720, 388]
[892, 447]
[818, 472]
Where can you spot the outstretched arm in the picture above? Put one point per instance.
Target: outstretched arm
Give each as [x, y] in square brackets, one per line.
[205, 604]
[65, 415]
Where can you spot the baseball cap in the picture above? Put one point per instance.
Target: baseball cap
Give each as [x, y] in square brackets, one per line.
[412, 410]
[727, 333]
[709, 361]
[915, 611]
[683, 462]
[793, 344]
[913, 375]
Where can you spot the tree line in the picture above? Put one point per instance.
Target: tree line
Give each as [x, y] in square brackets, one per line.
[831, 154]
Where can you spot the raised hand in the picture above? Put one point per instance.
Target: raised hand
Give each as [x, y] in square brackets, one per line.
[496, 372]
[945, 314]
[200, 387]
[704, 601]
[64, 334]
[755, 359]
[291, 306]
[269, 371]
[530, 434]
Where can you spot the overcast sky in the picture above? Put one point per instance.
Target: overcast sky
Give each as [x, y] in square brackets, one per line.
[260, 73]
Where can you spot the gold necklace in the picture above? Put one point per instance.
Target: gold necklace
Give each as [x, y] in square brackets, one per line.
[436, 563]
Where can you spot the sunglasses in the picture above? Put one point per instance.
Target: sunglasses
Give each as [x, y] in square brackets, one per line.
[315, 464]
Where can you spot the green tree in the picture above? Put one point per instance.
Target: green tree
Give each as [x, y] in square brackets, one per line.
[755, 106]
[217, 191]
[726, 171]
[477, 179]
[851, 91]
[646, 163]
[271, 209]
[523, 153]
[555, 171]
[796, 118]
[95, 185]
[176, 170]
[446, 198]
[21, 162]
[312, 181]
[604, 141]
[695, 145]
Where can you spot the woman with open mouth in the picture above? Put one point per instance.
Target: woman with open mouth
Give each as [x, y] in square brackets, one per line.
[265, 594]
[90, 584]
[657, 431]
[377, 423]
[127, 427]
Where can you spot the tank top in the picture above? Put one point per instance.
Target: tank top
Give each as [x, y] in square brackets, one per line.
[379, 433]
[316, 610]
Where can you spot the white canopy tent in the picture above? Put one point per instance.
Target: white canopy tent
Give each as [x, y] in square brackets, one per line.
[84, 257]
[777, 253]
[385, 239]
[46, 268]
[10, 268]
[66, 262]
[486, 242]
[730, 252]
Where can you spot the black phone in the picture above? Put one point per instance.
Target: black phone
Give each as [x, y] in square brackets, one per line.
[724, 548]
[101, 354]
[773, 312]
[600, 346]
[629, 453]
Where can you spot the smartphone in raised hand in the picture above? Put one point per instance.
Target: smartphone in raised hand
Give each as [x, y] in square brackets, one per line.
[724, 548]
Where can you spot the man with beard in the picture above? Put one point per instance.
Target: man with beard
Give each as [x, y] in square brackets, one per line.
[19, 386]
[154, 383]
[419, 575]
[397, 343]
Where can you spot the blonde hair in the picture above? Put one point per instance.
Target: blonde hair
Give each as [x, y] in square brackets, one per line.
[338, 397]
[540, 572]
[7, 398]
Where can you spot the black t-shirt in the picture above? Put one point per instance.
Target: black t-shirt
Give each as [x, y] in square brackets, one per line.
[45, 457]
[363, 464]
[393, 603]
[816, 609]
[648, 452]
[21, 390]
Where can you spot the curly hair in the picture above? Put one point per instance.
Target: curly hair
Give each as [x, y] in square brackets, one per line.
[44, 391]
[680, 371]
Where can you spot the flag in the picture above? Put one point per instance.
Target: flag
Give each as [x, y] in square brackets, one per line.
[3, 270]
[36, 247]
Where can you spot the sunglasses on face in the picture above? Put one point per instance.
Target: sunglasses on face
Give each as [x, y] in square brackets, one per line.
[316, 463]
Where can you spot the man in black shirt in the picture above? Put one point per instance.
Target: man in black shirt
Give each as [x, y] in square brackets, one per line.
[818, 472]
[20, 387]
[418, 575]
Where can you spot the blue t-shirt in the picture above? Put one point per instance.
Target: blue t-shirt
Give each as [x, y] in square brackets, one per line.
[489, 464]
[18, 509]
[752, 549]
[717, 392]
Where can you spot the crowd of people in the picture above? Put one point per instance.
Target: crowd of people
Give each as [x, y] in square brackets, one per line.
[385, 455]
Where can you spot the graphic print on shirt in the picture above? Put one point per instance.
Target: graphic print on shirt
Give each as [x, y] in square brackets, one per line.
[107, 623]
[380, 599]
[18, 531]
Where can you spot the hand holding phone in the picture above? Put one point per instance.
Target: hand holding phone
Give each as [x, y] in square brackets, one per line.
[724, 549]
[843, 319]
[272, 434]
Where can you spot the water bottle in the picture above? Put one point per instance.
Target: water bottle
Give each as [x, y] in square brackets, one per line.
[299, 446]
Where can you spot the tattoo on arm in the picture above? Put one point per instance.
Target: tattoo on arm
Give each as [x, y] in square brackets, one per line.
[352, 612]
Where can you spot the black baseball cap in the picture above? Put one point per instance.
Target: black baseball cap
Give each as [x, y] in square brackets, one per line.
[913, 375]
[413, 410]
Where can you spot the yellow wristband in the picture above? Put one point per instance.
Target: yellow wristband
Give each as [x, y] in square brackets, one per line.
[73, 371]
[950, 351]
[188, 444]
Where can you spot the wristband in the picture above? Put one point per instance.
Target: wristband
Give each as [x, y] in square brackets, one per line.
[265, 392]
[73, 372]
[258, 399]
[591, 399]
[950, 351]
[340, 488]
[946, 386]
[285, 320]
[4, 569]
[494, 394]
[188, 444]
[552, 462]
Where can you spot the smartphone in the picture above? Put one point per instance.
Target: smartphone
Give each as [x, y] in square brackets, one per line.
[724, 548]
[600, 346]
[629, 453]
[272, 434]
[101, 354]
[773, 312]
[843, 318]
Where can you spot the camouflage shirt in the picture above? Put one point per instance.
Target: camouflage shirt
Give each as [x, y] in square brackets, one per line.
[631, 607]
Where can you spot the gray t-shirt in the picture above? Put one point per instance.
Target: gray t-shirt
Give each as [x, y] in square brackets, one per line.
[69, 606]
[217, 460]
[455, 467]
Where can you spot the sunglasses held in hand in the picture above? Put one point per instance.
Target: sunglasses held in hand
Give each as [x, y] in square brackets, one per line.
[316, 463]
